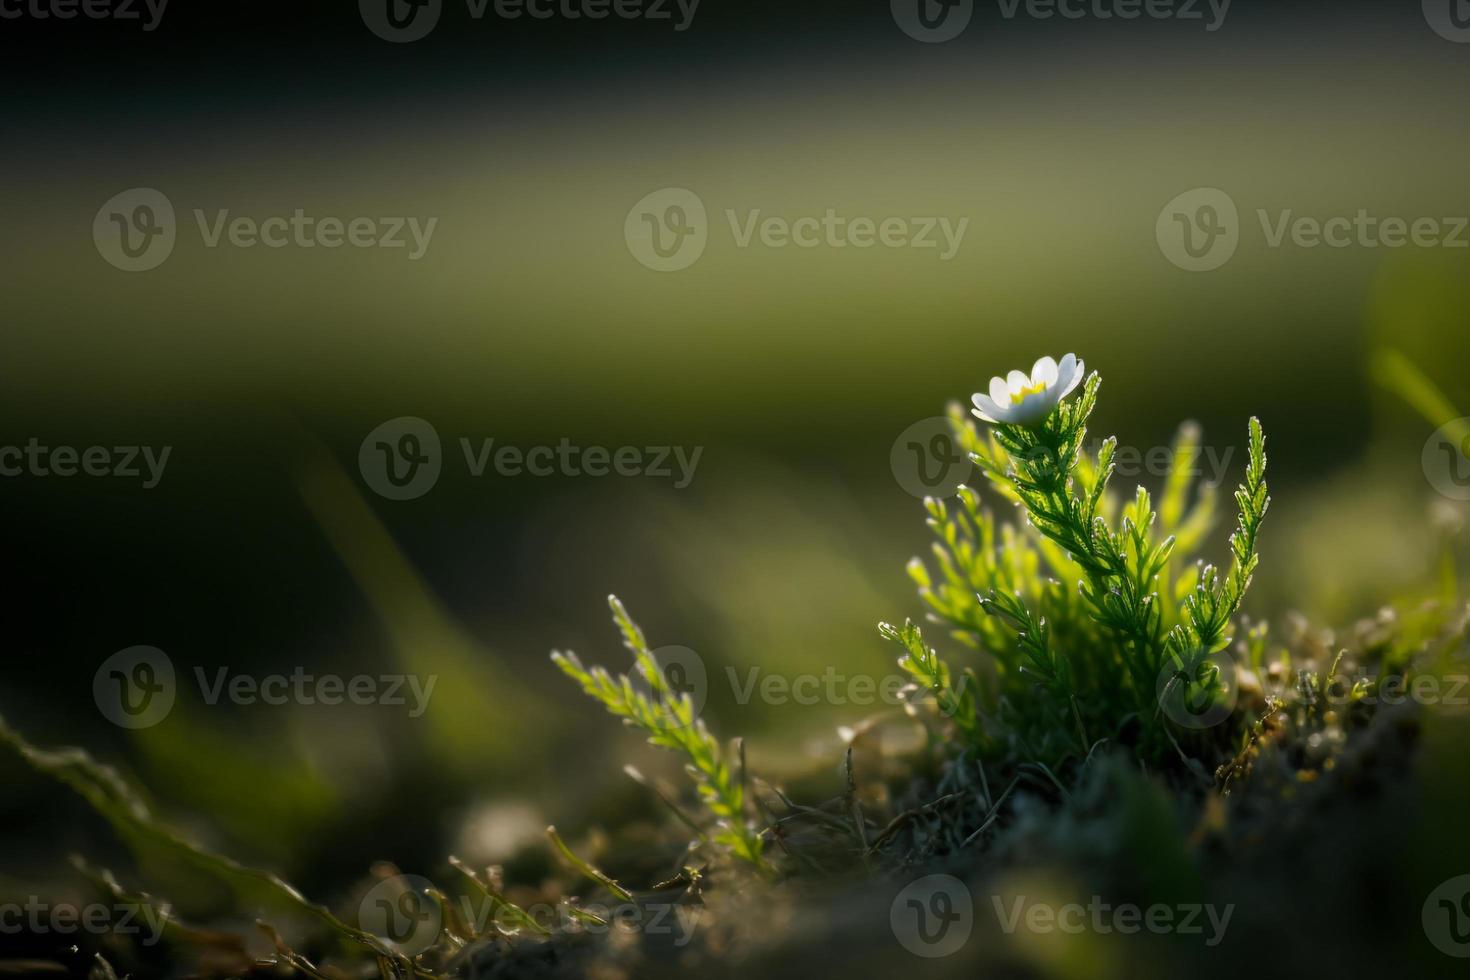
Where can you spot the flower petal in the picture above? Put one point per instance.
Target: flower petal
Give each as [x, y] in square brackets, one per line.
[1016, 381]
[1067, 373]
[1044, 370]
[987, 410]
[999, 393]
[1078, 373]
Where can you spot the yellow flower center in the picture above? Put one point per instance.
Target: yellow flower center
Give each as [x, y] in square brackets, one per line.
[1017, 397]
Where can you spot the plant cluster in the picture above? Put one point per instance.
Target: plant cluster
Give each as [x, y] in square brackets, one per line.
[1092, 611]
[1084, 622]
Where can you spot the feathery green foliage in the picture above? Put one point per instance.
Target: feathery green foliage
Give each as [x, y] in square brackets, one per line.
[668, 717]
[932, 675]
[1087, 612]
[1086, 607]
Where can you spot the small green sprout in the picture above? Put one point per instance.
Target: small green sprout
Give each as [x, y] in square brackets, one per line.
[668, 717]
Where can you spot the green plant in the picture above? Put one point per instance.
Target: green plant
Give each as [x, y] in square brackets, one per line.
[1087, 612]
[1093, 604]
[668, 718]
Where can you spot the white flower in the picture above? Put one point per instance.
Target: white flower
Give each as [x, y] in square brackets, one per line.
[1019, 400]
